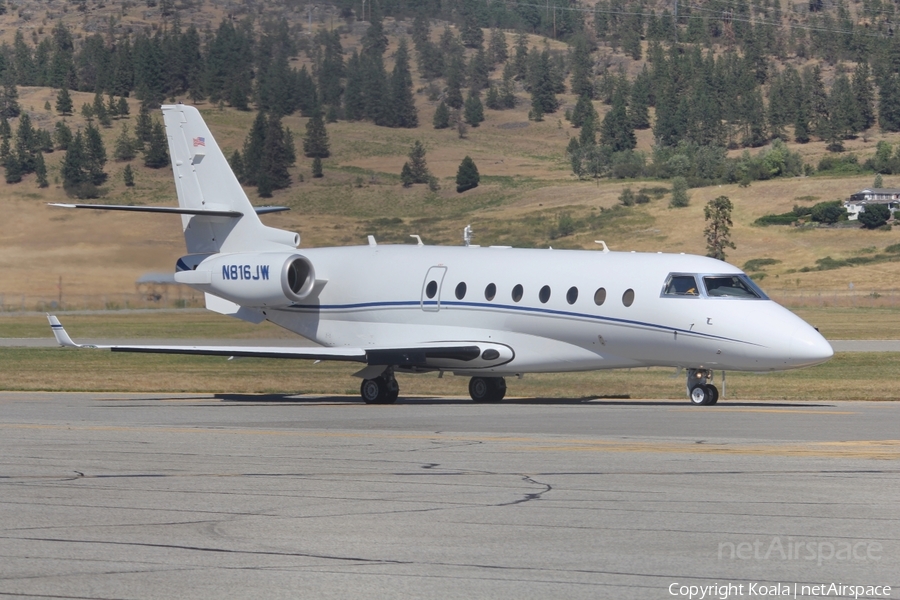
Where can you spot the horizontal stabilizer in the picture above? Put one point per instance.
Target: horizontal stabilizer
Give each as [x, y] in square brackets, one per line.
[265, 210]
[175, 210]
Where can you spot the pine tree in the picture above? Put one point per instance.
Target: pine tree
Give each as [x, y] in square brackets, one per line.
[316, 142]
[122, 107]
[40, 170]
[95, 155]
[237, 165]
[582, 70]
[864, 95]
[64, 102]
[498, 51]
[354, 103]
[479, 71]
[587, 136]
[276, 159]
[26, 145]
[62, 135]
[508, 88]
[5, 129]
[616, 131]
[467, 176]
[143, 128]
[125, 145]
[441, 118]
[317, 167]
[417, 165]
[128, 176]
[471, 34]
[543, 96]
[889, 103]
[718, 231]
[492, 100]
[584, 109]
[156, 156]
[406, 175]
[454, 97]
[99, 109]
[112, 107]
[402, 100]
[75, 174]
[253, 149]
[520, 58]
[13, 168]
[474, 111]
[9, 97]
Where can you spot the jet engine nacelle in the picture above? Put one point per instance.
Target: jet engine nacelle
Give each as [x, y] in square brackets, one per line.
[257, 279]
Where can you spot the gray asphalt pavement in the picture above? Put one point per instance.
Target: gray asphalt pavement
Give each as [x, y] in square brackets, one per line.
[198, 496]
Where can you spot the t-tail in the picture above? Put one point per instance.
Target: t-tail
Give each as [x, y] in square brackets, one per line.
[219, 215]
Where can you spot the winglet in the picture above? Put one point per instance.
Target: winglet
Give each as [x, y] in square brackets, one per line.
[60, 333]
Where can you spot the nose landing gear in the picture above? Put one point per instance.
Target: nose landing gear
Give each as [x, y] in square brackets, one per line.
[700, 389]
[383, 389]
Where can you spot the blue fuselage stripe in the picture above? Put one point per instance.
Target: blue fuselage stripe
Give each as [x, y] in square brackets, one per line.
[335, 308]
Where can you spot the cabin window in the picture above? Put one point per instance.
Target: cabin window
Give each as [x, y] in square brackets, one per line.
[732, 286]
[628, 297]
[682, 285]
[431, 289]
[517, 292]
[461, 290]
[544, 294]
[600, 296]
[490, 291]
[572, 295]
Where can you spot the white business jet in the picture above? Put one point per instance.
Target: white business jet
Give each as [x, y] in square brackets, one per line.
[484, 313]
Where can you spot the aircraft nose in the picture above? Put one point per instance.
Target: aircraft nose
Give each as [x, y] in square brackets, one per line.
[810, 348]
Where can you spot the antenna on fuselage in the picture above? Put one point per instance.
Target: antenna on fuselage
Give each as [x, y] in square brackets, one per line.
[467, 235]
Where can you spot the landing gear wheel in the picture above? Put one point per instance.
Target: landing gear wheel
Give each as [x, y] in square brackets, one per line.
[713, 392]
[487, 389]
[380, 390]
[702, 396]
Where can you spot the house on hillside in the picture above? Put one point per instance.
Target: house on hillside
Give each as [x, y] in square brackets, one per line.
[890, 197]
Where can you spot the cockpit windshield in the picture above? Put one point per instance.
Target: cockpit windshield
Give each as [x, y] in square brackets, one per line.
[681, 285]
[732, 286]
[685, 285]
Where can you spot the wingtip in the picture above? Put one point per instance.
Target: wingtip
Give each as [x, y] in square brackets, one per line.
[59, 332]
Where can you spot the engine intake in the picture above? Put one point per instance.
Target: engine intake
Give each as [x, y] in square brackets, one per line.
[257, 279]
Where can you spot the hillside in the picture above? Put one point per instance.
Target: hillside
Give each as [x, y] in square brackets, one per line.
[527, 187]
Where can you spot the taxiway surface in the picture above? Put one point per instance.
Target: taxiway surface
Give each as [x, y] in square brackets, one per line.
[199, 496]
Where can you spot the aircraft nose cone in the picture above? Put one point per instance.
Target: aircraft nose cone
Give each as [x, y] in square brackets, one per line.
[810, 348]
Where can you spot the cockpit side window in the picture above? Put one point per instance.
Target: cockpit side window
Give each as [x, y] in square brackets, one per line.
[682, 285]
[731, 286]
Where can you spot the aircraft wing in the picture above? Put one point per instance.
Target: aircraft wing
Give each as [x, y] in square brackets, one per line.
[450, 354]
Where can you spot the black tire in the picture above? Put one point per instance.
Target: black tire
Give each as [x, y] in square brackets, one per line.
[487, 389]
[373, 391]
[713, 394]
[700, 395]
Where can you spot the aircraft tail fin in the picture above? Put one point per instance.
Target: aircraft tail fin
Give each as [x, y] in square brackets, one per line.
[205, 182]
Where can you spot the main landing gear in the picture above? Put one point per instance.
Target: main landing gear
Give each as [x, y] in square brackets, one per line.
[487, 389]
[383, 389]
[700, 390]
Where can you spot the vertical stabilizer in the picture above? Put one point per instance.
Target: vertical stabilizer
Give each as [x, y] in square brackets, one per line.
[204, 180]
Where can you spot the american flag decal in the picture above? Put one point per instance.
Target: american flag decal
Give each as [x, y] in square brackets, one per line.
[199, 141]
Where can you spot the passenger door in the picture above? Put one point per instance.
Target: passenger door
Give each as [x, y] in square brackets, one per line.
[431, 289]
